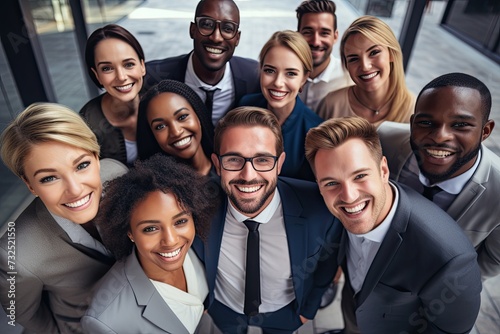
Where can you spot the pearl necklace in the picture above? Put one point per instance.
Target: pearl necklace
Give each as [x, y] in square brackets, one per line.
[375, 111]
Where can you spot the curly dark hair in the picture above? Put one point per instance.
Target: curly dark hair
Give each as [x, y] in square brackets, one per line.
[197, 194]
[147, 145]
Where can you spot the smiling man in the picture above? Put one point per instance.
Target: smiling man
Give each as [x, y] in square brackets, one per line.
[279, 286]
[317, 22]
[443, 153]
[211, 70]
[408, 266]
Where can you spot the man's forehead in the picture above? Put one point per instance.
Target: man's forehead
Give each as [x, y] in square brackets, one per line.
[222, 9]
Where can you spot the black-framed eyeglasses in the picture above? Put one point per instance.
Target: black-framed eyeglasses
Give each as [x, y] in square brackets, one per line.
[261, 163]
[206, 26]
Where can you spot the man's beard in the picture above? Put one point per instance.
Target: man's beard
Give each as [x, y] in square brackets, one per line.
[459, 163]
[250, 208]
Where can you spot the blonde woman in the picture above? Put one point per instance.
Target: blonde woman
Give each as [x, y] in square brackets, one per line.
[58, 256]
[285, 65]
[371, 54]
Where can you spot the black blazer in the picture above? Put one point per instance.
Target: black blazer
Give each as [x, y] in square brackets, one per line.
[245, 73]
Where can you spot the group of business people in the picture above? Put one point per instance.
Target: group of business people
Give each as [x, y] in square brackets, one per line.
[251, 247]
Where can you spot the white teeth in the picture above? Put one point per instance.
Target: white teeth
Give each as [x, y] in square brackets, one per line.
[171, 254]
[439, 153]
[182, 142]
[356, 209]
[277, 94]
[126, 87]
[213, 50]
[369, 76]
[79, 202]
[249, 189]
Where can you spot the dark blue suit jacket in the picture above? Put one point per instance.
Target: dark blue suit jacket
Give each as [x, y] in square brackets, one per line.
[313, 235]
[245, 73]
[424, 278]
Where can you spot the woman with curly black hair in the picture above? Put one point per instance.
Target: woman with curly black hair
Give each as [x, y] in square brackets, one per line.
[148, 220]
[173, 120]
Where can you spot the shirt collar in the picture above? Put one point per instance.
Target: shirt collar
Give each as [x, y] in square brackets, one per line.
[326, 74]
[379, 232]
[222, 84]
[262, 217]
[454, 185]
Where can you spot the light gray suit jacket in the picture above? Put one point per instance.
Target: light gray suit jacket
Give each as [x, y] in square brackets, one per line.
[53, 276]
[127, 302]
[476, 209]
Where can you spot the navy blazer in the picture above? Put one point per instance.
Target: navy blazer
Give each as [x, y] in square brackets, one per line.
[424, 278]
[312, 233]
[245, 73]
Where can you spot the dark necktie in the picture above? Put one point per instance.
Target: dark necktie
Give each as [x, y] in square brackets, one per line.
[252, 272]
[209, 100]
[429, 192]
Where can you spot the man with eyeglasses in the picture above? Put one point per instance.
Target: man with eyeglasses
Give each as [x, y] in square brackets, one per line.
[279, 287]
[210, 69]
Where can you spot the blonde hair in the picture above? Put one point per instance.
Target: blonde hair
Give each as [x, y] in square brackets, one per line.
[380, 33]
[41, 123]
[336, 131]
[293, 41]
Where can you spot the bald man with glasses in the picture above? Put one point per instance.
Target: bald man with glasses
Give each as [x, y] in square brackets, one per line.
[211, 70]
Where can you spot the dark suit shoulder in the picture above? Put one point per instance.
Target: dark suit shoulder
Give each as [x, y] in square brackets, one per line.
[173, 68]
[430, 225]
[240, 61]
[253, 100]
[305, 193]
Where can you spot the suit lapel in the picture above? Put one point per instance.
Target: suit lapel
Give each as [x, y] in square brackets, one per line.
[296, 234]
[156, 309]
[388, 248]
[472, 190]
[212, 248]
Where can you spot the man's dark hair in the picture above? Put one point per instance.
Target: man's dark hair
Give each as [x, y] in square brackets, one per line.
[317, 6]
[467, 81]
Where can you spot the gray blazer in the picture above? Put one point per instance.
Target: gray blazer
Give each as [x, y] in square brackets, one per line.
[53, 275]
[127, 302]
[475, 209]
[424, 278]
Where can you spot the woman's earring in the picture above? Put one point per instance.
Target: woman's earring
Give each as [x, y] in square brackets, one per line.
[300, 90]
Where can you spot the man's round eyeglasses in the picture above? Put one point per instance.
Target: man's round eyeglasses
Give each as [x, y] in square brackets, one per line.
[206, 26]
[261, 163]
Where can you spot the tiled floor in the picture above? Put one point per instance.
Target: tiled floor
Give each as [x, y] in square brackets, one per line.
[162, 29]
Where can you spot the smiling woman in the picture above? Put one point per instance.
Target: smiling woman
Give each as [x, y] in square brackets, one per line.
[115, 62]
[148, 220]
[174, 121]
[372, 55]
[60, 256]
[285, 64]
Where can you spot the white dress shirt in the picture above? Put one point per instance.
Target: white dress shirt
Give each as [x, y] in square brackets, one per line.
[363, 247]
[275, 268]
[413, 177]
[332, 78]
[224, 95]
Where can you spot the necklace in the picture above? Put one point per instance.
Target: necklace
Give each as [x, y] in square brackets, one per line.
[375, 111]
